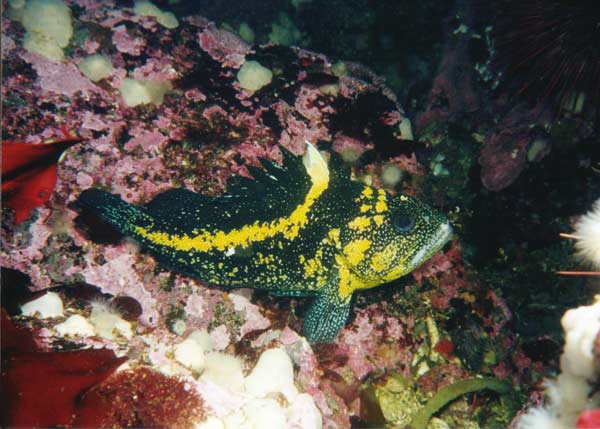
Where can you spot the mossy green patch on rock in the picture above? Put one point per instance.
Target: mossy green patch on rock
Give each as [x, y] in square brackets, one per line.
[449, 393]
[389, 400]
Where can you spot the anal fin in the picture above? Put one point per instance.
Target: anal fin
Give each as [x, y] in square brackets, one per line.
[327, 315]
[290, 294]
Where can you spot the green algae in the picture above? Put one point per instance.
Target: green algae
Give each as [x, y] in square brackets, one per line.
[397, 399]
[389, 400]
[450, 393]
[174, 314]
[224, 314]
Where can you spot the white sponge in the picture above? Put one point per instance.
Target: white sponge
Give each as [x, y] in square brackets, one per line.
[136, 92]
[265, 413]
[146, 8]
[75, 325]
[44, 307]
[51, 18]
[303, 413]
[224, 370]
[273, 373]
[190, 353]
[253, 76]
[96, 67]
[38, 43]
[49, 27]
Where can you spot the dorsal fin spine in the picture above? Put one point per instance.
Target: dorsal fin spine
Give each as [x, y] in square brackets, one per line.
[315, 165]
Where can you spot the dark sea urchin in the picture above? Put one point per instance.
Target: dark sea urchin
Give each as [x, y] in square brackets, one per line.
[549, 51]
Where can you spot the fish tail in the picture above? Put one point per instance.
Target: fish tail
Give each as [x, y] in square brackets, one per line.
[112, 209]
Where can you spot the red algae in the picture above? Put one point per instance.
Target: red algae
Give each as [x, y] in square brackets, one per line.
[223, 46]
[589, 419]
[140, 397]
[29, 173]
[42, 388]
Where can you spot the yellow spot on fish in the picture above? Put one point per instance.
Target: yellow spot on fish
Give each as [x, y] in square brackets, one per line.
[365, 208]
[387, 263]
[378, 220]
[383, 260]
[355, 250]
[265, 260]
[360, 222]
[333, 237]
[380, 206]
[348, 282]
[314, 266]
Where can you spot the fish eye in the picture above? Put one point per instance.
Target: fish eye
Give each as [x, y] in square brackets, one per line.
[403, 222]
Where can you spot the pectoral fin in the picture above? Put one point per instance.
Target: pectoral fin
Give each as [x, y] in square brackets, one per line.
[327, 315]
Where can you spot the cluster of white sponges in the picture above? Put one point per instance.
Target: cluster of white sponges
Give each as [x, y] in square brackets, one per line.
[48, 24]
[569, 394]
[146, 8]
[266, 398]
[587, 231]
[104, 321]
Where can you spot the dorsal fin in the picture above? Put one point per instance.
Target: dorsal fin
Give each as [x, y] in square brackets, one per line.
[315, 165]
[274, 192]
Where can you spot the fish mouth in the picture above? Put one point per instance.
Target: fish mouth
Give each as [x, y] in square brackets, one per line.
[441, 237]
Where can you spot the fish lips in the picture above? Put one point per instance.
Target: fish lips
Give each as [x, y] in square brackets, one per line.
[440, 238]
